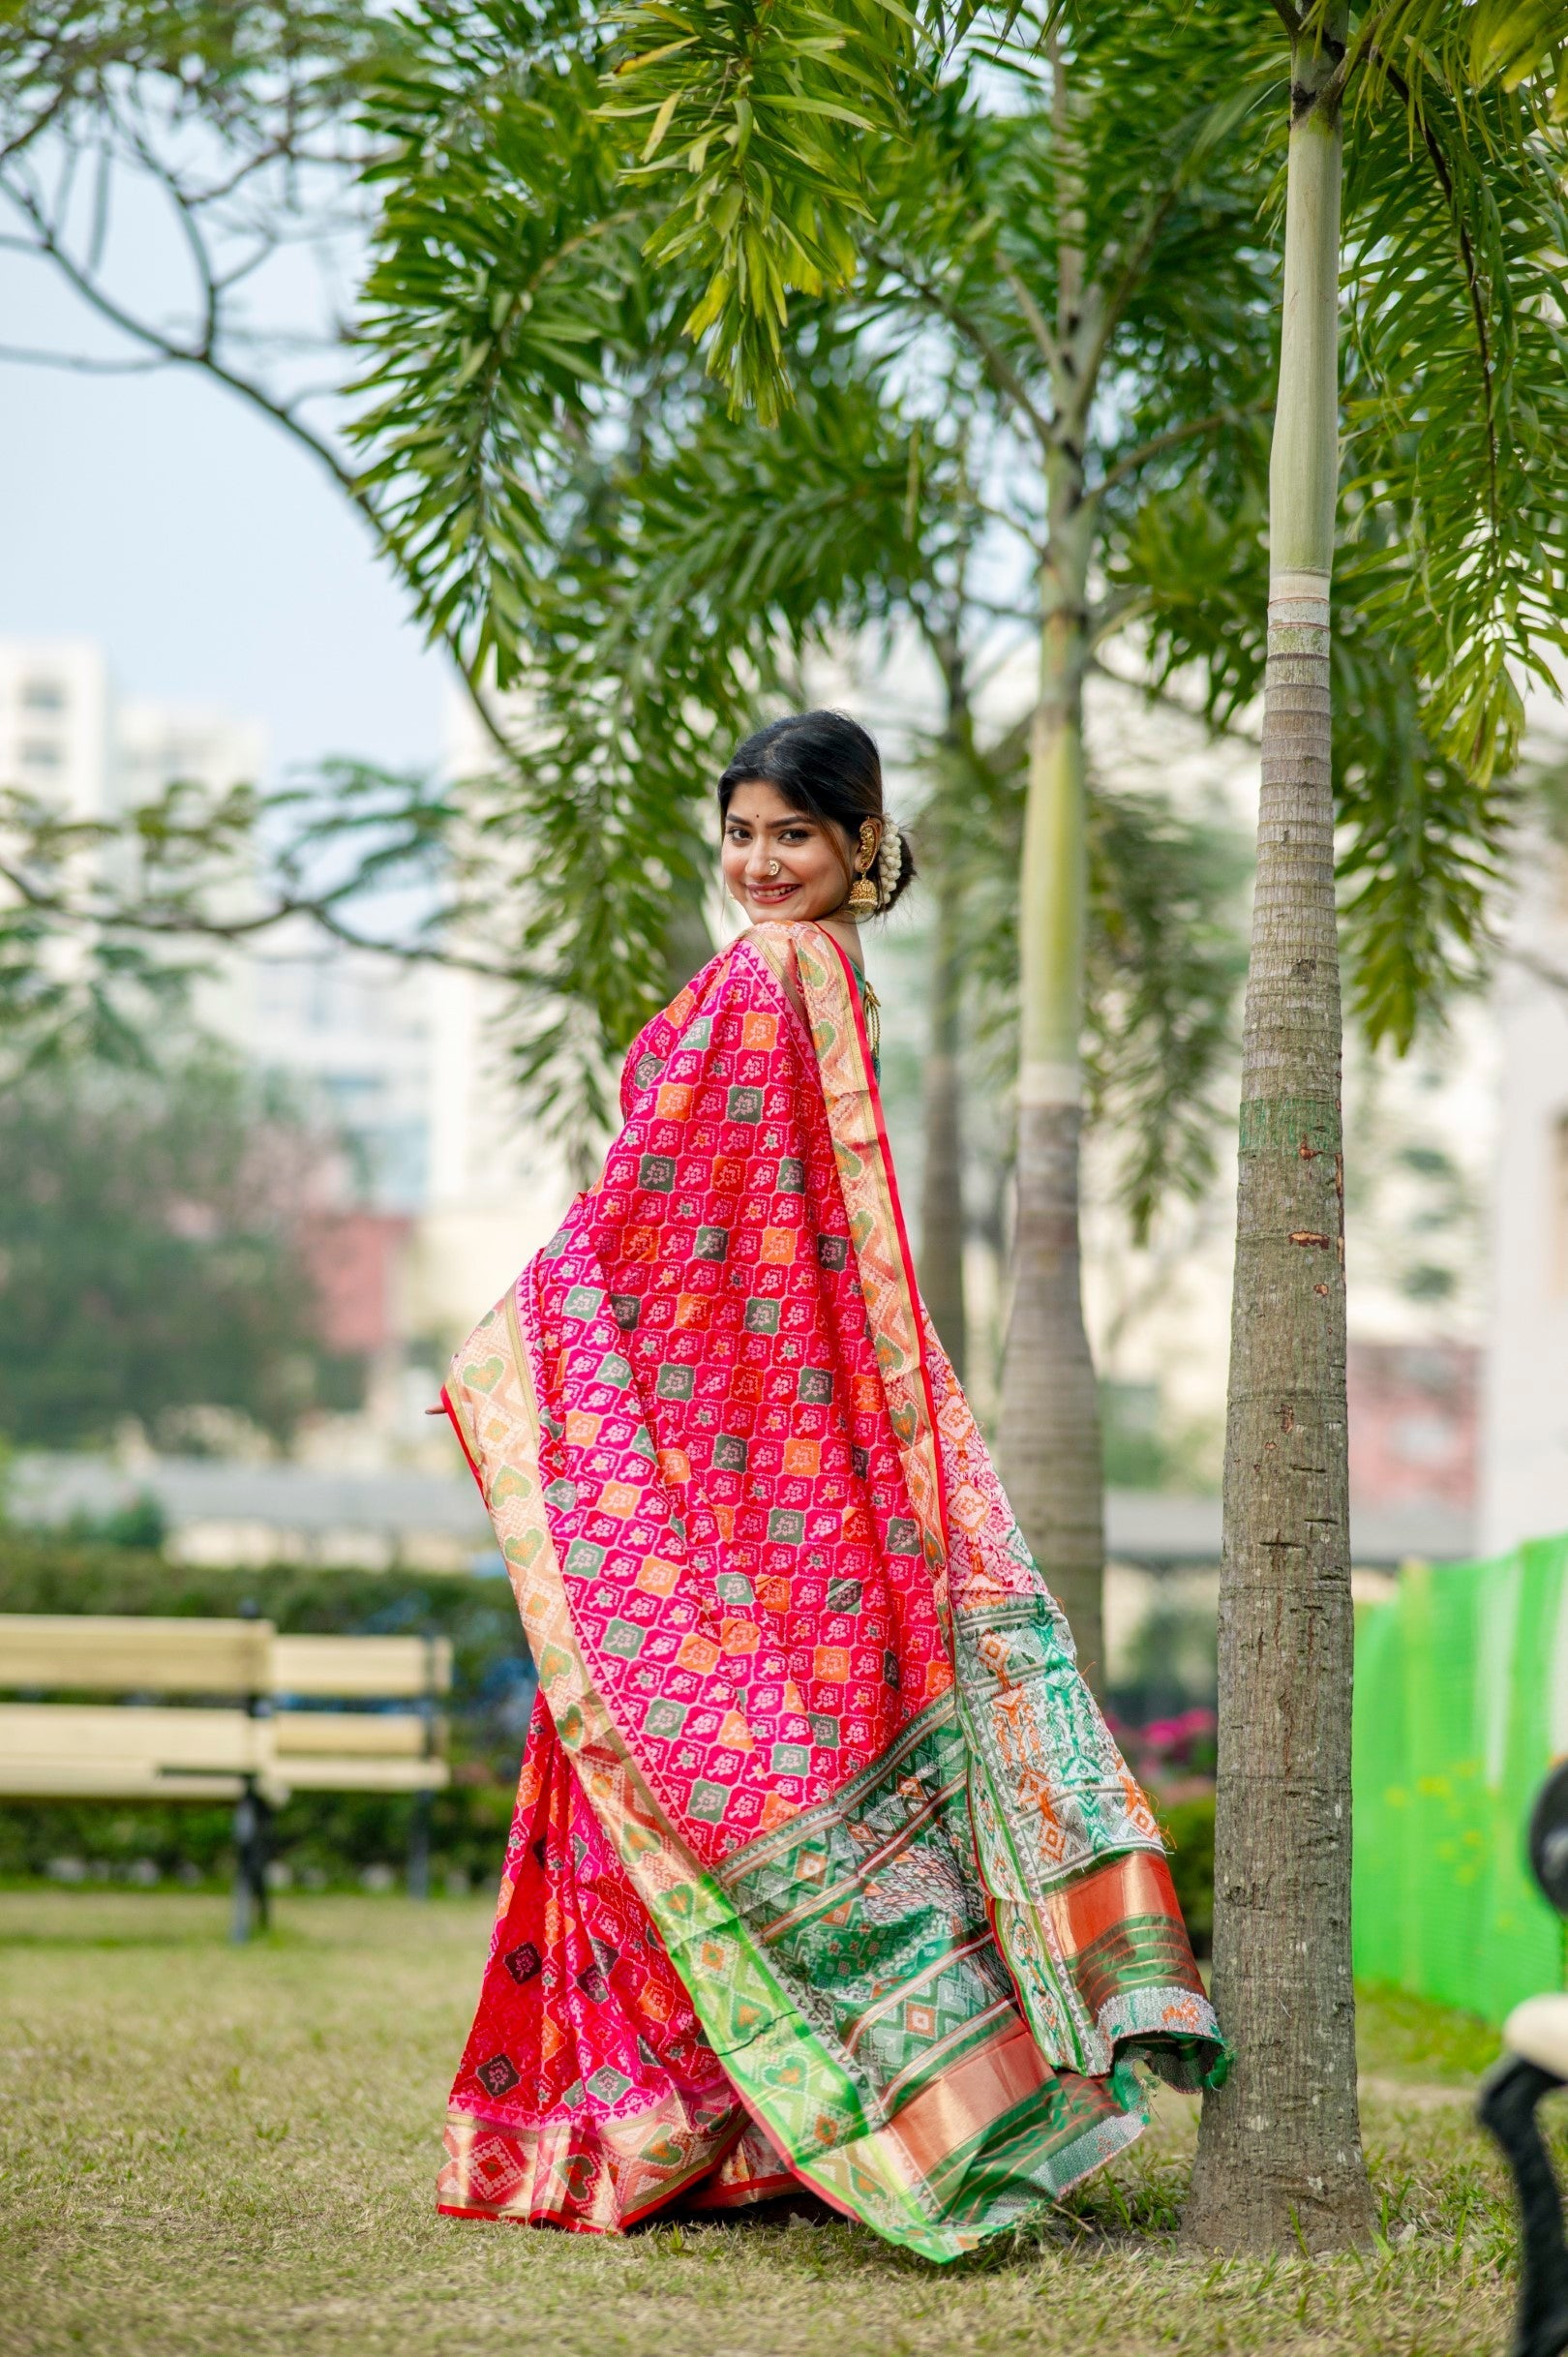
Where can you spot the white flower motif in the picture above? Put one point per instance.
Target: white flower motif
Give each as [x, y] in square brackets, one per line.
[889, 859]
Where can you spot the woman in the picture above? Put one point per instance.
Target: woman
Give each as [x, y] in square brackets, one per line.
[824, 1869]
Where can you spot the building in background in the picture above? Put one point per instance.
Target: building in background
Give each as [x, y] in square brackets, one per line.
[444, 1191]
[1524, 1405]
[67, 735]
[1414, 1435]
[56, 727]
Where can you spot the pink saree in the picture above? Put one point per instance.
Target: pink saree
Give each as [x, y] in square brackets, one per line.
[824, 1869]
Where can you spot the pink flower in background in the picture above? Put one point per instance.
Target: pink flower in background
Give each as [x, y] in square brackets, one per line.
[1179, 1746]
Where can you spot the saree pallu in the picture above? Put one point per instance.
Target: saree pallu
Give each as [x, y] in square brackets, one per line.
[824, 1869]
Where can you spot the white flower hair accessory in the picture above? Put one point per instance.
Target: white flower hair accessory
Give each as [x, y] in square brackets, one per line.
[890, 860]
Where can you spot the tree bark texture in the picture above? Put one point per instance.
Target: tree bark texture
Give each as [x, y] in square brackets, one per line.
[942, 1197]
[1049, 1435]
[1280, 2157]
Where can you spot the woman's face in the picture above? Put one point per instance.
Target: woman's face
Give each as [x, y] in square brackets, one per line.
[778, 863]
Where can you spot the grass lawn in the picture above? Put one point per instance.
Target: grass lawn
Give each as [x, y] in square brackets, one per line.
[232, 2151]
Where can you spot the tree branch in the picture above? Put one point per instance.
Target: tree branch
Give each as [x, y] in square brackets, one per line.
[1112, 612]
[1365, 44]
[319, 909]
[1131, 273]
[82, 364]
[195, 243]
[1168, 441]
[40, 123]
[1034, 319]
[998, 367]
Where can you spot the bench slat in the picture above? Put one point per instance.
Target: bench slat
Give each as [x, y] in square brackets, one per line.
[335, 1775]
[373, 1669]
[107, 1654]
[222, 1741]
[44, 1779]
[376, 1734]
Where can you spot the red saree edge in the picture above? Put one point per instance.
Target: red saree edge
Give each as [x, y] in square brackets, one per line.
[563, 2219]
[456, 1422]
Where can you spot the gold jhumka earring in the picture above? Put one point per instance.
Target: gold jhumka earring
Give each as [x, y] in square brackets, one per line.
[863, 897]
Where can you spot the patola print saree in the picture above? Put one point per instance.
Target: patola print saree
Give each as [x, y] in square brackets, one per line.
[824, 1869]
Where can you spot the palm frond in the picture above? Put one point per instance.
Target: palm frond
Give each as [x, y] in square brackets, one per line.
[505, 290]
[1457, 404]
[756, 118]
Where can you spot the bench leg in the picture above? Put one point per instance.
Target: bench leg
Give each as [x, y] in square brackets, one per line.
[252, 1826]
[419, 1847]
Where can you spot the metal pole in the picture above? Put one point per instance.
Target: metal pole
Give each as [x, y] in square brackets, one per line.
[252, 1819]
[242, 1918]
[261, 1853]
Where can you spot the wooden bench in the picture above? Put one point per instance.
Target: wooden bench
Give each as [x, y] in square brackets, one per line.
[256, 1736]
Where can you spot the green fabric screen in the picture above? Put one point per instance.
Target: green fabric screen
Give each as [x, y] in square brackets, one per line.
[1461, 1705]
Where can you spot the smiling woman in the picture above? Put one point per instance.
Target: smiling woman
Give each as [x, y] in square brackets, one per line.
[805, 831]
[825, 1870]
[778, 863]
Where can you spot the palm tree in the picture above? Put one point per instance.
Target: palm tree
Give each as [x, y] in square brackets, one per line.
[1453, 544]
[1288, 1538]
[1161, 955]
[1279, 2150]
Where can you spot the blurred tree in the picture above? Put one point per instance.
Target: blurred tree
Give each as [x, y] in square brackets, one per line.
[107, 924]
[150, 1261]
[1163, 948]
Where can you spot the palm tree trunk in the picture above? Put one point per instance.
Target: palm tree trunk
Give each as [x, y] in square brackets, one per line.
[1280, 2148]
[942, 1198]
[1049, 1432]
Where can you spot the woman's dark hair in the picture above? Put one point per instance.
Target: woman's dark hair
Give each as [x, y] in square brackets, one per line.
[827, 766]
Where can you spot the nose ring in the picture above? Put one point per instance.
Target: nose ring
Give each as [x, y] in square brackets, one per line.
[773, 867]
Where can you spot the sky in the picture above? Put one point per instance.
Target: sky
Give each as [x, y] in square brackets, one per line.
[210, 558]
